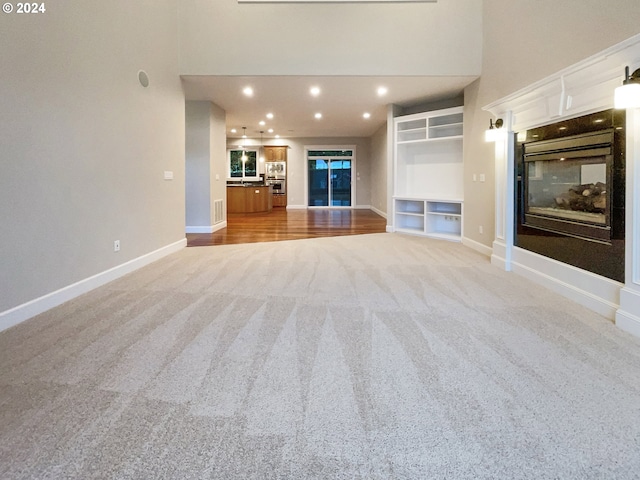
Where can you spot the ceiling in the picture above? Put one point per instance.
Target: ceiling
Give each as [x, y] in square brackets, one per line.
[342, 101]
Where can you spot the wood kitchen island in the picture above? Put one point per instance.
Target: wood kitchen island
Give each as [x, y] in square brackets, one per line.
[249, 198]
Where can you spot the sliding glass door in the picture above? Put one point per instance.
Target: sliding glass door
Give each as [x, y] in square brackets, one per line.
[329, 175]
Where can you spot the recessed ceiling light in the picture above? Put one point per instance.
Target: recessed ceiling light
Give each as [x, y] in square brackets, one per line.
[315, 91]
[262, 123]
[270, 130]
[366, 115]
[382, 91]
[248, 91]
[233, 130]
[269, 115]
[318, 115]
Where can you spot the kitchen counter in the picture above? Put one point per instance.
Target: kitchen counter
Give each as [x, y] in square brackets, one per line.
[249, 198]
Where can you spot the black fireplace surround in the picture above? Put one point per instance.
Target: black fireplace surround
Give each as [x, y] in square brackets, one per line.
[571, 192]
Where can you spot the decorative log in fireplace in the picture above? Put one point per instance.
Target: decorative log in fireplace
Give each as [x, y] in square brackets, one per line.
[566, 185]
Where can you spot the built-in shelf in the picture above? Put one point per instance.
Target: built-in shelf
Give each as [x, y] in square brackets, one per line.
[430, 217]
[428, 174]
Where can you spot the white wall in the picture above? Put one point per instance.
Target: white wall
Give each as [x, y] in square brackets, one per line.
[205, 163]
[379, 170]
[84, 146]
[223, 37]
[198, 167]
[524, 42]
[218, 157]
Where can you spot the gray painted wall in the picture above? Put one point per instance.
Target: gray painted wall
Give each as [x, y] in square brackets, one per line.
[223, 37]
[379, 170]
[198, 167]
[524, 42]
[84, 146]
[218, 156]
[205, 155]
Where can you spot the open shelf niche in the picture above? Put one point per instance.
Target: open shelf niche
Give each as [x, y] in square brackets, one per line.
[428, 173]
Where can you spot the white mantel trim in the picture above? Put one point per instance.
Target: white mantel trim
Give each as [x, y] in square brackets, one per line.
[606, 65]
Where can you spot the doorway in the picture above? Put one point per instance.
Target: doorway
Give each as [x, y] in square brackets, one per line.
[329, 179]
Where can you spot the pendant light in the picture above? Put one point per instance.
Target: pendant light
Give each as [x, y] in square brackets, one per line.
[261, 147]
[244, 151]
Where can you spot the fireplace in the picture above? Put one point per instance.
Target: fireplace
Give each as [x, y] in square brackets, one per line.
[571, 191]
[567, 184]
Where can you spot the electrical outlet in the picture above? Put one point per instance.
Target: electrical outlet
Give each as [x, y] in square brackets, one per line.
[480, 230]
[116, 246]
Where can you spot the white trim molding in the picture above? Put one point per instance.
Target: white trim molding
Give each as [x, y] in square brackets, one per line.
[584, 88]
[30, 309]
[378, 211]
[206, 228]
[593, 291]
[477, 246]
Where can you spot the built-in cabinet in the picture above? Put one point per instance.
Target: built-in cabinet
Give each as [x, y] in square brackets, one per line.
[428, 173]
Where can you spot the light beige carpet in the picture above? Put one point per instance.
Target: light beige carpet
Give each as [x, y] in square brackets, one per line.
[376, 357]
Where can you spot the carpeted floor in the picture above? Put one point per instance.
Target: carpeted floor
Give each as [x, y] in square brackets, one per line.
[366, 357]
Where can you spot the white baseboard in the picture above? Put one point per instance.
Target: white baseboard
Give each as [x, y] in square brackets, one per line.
[627, 317]
[30, 309]
[379, 212]
[477, 246]
[297, 207]
[390, 229]
[628, 322]
[595, 292]
[206, 228]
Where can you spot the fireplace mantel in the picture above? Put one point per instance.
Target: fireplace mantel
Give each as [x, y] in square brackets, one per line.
[583, 88]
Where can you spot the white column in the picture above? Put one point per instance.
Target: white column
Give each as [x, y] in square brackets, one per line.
[505, 195]
[628, 314]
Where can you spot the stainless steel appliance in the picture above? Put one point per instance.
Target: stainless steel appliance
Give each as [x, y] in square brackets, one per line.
[275, 169]
[279, 185]
[276, 176]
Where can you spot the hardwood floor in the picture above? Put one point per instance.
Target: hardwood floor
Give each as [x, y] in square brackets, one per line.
[281, 224]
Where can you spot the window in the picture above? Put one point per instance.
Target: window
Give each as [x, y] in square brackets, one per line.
[243, 164]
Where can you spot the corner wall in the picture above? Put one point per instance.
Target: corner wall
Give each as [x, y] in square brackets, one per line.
[205, 154]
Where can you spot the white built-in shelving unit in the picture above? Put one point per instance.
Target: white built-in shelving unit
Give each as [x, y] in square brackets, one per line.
[428, 193]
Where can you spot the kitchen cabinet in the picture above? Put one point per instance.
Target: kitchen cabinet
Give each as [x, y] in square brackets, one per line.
[275, 154]
[249, 199]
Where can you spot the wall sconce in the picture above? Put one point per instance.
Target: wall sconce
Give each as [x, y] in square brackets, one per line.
[494, 132]
[628, 94]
